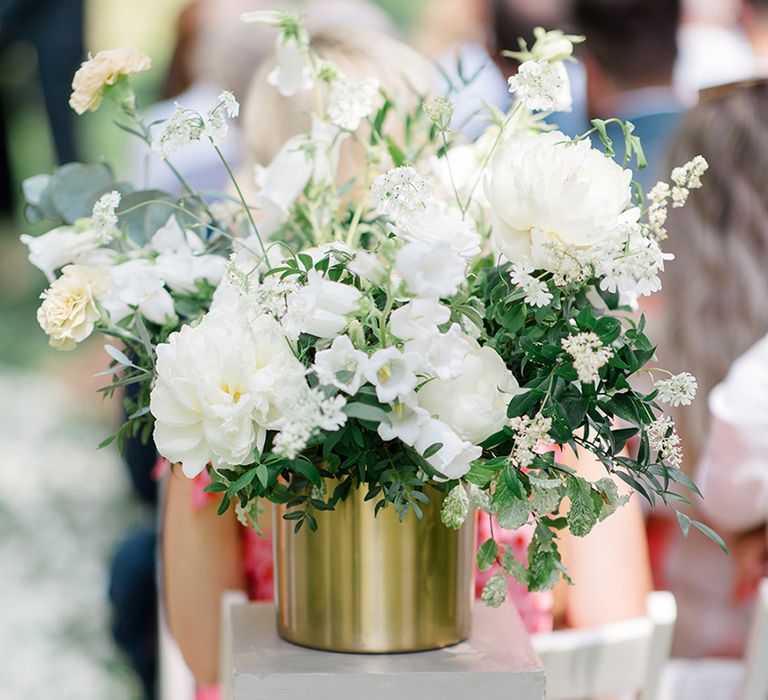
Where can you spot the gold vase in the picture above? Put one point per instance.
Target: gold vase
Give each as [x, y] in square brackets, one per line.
[371, 584]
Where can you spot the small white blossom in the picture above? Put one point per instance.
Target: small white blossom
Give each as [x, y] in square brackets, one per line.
[440, 111]
[180, 129]
[631, 268]
[663, 438]
[430, 271]
[400, 192]
[657, 210]
[393, 373]
[589, 355]
[568, 264]
[216, 126]
[103, 216]
[341, 365]
[678, 390]
[542, 86]
[530, 435]
[536, 292]
[351, 102]
[686, 178]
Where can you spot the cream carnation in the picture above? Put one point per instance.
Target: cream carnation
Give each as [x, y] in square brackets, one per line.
[69, 311]
[103, 70]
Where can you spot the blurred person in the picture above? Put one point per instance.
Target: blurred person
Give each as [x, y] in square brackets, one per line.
[754, 19]
[629, 58]
[715, 309]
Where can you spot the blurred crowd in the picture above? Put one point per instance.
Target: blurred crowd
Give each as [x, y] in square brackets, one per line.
[691, 75]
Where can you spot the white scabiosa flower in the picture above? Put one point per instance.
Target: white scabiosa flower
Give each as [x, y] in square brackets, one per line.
[293, 69]
[588, 355]
[103, 217]
[455, 456]
[542, 86]
[351, 102]
[342, 365]
[678, 390]
[417, 318]
[400, 192]
[536, 292]
[474, 404]
[406, 420]
[442, 354]
[430, 271]
[393, 373]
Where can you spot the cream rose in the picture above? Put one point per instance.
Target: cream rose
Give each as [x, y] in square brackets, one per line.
[68, 311]
[103, 70]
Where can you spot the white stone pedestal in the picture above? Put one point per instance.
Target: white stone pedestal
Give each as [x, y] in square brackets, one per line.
[497, 662]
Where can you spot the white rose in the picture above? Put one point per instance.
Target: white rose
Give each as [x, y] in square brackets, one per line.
[571, 193]
[475, 403]
[220, 386]
[341, 365]
[430, 271]
[393, 373]
[138, 283]
[293, 72]
[69, 311]
[454, 459]
[61, 246]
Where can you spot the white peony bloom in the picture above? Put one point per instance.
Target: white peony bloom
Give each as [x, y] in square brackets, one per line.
[431, 271]
[400, 192]
[342, 365]
[220, 386]
[101, 71]
[181, 262]
[417, 318]
[436, 222]
[475, 403]
[454, 459]
[367, 266]
[351, 102]
[293, 72]
[393, 373]
[571, 193]
[320, 307]
[442, 354]
[68, 312]
[406, 420]
[542, 86]
[63, 245]
[138, 283]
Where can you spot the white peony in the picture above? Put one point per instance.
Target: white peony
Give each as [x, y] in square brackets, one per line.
[454, 459]
[430, 271]
[68, 312]
[475, 403]
[63, 245]
[571, 193]
[220, 386]
[341, 365]
[393, 373]
[442, 354]
[293, 72]
[417, 318]
[138, 283]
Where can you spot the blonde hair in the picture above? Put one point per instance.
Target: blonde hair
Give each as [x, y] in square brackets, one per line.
[716, 290]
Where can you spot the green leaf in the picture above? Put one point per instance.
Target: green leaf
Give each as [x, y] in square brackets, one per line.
[609, 496]
[262, 473]
[309, 471]
[486, 554]
[432, 450]
[514, 568]
[514, 515]
[581, 517]
[364, 411]
[709, 532]
[481, 473]
[523, 403]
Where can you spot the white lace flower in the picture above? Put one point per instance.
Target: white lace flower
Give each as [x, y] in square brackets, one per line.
[536, 292]
[657, 210]
[542, 86]
[442, 354]
[417, 318]
[531, 434]
[678, 390]
[455, 456]
[351, 102]
[180, 129]
[663, 438]
[406, 420]
[400, 192]
[393, 373]
[216, 126]
[589, 355]
[430, 271]
[631, 268]
[103, 216]
[342, 365]
[686, 178]
[293, 69]
[311, 413]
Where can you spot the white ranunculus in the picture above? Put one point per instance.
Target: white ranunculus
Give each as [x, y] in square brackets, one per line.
[293, 72]
[436, 223]
[138, 283]
[454, 459]
[571, 193]
[182, 262]
[320, 307]
[441, 354]
[393, 373]
[430, 271]
[220, 386]
[342, 365]
[475, 403]
[61, 246]
[406, 420]
[68, 312]
[417, 318]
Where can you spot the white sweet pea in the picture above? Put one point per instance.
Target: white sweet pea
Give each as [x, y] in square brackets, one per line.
[293, 72]
[392, 372]
[475, 403]
[138, 283]
[436, 222]
[406, 420]
[417, 318]
[342, 365]
[320, 307]
[454, 459]
[442, 354]
[63, 245]
[430, 271]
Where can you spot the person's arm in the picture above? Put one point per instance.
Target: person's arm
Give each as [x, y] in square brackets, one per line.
[202, 558]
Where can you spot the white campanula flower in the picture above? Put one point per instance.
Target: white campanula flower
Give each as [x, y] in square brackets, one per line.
[103, 216]
[406, 420]
[367, 266]
[310, 413]
[293, 69]
[678, 390]
[454, 459]
[102, 71]
[342, 365]
[418, 318]
[474, 404]
[663, 437]
[320, 307]
[138, 283]
[437, 222]
[536, 292]
[393, 373]
[442, 354]
[68, 312]
[553, 45]
[588, 354]
[531, 434]
[351, 102]
[430, 271]
[400, 192]
[63, 245]
[570, 193]
[542, 86]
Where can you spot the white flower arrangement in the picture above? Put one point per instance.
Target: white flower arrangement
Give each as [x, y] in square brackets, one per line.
[448, 323]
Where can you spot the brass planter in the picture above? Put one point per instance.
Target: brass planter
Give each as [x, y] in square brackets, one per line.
[366, 584]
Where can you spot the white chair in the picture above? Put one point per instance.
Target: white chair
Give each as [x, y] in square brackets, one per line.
[228, 601]
[623, 657]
